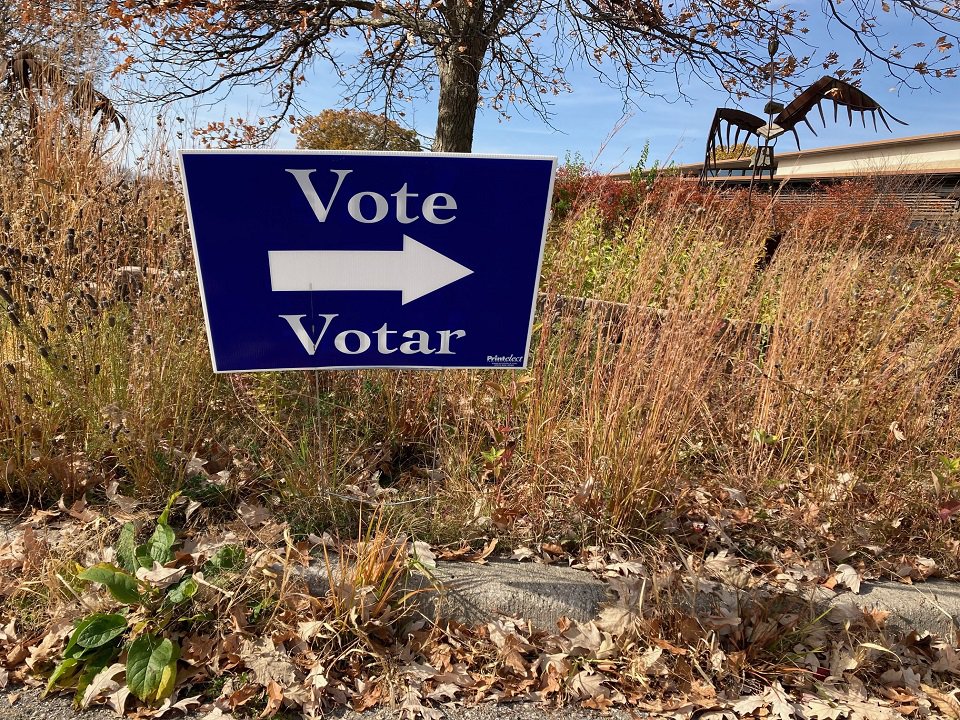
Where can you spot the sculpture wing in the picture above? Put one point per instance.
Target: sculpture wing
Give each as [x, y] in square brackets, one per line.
[31, 73]
[25, 71]
[725, 120]
[841, 93]
[89, 99]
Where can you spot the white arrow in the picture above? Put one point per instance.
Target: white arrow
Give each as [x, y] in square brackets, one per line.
[415, 271]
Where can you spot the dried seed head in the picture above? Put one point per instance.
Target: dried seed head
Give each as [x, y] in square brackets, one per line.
[29, 398]
[11, 368]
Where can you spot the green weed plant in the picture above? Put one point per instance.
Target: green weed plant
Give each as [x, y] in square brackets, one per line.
[153, 614]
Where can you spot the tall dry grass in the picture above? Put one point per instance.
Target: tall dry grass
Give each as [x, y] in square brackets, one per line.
[805, 406]
[97, 380]
[825, 387]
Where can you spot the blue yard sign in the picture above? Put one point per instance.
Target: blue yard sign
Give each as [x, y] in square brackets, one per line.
[311, 259]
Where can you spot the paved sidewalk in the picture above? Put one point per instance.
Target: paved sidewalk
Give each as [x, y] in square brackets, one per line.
[29, 707]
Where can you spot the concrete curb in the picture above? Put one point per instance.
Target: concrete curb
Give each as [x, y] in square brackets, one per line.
[542, 594]
[932, 606]
[471, 593]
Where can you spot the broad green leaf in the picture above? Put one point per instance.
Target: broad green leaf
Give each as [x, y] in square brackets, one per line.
[73, 649]
[182, 591]
[122, 585]
[64, 670]
[164, 516]
[147, 659]
[160, 544]
[127, 548]
[229, 557]
[99, 629]
[142, 557]
[168, 681]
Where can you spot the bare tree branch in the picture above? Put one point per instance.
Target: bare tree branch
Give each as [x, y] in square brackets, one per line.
[505, 53]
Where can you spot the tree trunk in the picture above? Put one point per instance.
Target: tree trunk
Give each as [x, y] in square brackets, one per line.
[459, 69]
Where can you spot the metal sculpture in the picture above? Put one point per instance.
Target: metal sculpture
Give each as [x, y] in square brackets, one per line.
[786, 119]
[25, 73]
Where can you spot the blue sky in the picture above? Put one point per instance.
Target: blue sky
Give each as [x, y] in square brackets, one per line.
[584, 121]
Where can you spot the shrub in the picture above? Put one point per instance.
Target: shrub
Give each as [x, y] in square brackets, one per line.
[577, 188]
[354, 130]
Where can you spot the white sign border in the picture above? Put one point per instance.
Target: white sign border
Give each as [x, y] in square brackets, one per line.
[181, 152]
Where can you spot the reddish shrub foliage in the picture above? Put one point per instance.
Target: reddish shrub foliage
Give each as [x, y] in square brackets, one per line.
[575, 189]
[861, 212]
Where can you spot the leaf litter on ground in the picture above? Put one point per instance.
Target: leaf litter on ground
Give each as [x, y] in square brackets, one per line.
[708, 635]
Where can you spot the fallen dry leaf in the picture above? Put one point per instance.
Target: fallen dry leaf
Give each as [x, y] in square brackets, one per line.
[242, 696]
[779, 701]
[103, 683]
[217, 714]
[49, 646]
[814, 707]
[412, 707]
[847, 575]
[254, 515]
[126, 504]
[749, 704]
[274, 699]
[522, 553]
[268, 664]
[118, 700]
[421, 553]
[160, 576]
[947, 703]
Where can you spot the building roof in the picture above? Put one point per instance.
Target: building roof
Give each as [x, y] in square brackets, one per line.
[932, 154]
